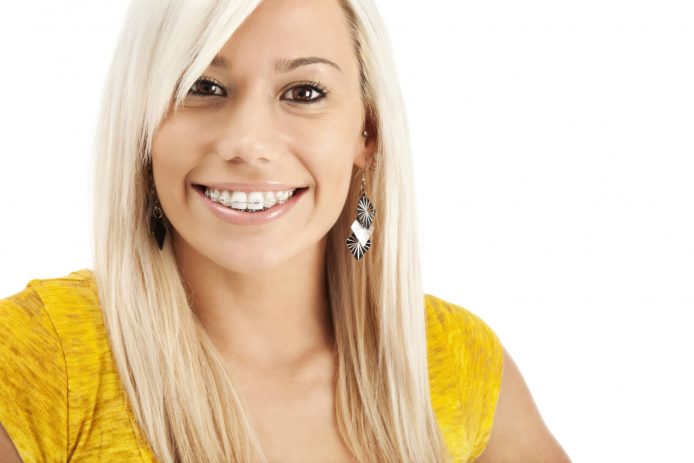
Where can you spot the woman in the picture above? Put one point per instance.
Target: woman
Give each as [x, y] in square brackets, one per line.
[255, 293]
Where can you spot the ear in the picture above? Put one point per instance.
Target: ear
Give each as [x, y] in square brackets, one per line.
[365, 155]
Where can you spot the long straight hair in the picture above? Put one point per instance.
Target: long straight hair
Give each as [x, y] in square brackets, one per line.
[184, 400]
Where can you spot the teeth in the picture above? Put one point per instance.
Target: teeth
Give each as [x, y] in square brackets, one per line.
[255, 201]
[251, 201]
[225, 198]
[238, 200]
[270, 200]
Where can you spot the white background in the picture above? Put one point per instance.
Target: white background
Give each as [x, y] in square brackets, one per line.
[553, 146]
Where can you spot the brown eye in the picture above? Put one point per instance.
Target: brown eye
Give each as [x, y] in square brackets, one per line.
[207, 87]
[307, 93]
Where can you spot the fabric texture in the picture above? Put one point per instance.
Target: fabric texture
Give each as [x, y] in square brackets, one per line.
[61, 398]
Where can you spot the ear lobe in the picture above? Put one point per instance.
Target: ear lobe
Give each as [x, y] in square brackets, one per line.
[366, 153]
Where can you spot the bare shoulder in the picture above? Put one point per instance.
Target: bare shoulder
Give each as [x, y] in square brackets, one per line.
[8, 453]
[519, 434]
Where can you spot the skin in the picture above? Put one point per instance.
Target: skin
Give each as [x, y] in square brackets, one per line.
[260, 291]
[8, 452]
[519, 434]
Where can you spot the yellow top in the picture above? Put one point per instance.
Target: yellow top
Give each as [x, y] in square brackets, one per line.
[61, 398]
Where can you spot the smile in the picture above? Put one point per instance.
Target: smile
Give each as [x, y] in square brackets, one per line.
[248, 207]
[250, 201]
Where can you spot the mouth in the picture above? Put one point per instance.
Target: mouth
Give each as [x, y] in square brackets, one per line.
[248, 201]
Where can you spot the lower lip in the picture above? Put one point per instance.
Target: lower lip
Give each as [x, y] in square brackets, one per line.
[250, 218]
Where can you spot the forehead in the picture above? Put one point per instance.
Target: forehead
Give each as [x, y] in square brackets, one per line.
[291, 29]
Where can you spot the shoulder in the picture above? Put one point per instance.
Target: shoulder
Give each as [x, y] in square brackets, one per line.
[46, 298]
[46, 330]
[33, 388]
[465, 363]
[460, 324]
[519, 433]
[474, 345]
[67, 307]
[59, 292]
[52, 313]
[31, 320]
[507, 424]
[58, 324]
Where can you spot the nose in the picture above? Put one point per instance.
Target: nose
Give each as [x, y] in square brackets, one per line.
[248, 132]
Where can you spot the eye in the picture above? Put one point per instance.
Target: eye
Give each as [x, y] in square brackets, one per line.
[302, 92]
[207, 86]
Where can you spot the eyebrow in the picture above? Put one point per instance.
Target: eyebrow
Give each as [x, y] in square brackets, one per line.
[282, 64]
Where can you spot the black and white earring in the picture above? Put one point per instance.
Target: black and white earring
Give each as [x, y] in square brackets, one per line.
[359, 241]
[156, 219]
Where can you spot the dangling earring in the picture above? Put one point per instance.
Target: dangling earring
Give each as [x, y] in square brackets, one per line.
[156, 220]
[359, 241]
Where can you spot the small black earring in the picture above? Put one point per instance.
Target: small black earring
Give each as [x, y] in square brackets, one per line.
[156, 220]
[359, 241]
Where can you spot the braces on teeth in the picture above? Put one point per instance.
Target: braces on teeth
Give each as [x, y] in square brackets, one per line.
[250, 206]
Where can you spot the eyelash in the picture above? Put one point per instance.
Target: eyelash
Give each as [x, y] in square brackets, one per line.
[317, 86]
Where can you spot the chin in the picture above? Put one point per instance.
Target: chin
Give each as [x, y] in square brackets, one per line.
[250, 260]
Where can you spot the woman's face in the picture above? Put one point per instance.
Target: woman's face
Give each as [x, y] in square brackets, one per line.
[258, 121]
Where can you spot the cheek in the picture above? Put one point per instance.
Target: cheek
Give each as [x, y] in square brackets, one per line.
[332, 170]
[176, 143]
[173, 152]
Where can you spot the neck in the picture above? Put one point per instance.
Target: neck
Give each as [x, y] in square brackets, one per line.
[277, 318]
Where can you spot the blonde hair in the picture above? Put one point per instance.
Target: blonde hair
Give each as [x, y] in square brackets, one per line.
[184, 399]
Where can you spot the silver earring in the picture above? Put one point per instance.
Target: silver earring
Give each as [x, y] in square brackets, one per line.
[359, 241]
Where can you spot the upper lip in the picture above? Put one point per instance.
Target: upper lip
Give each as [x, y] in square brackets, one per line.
[248, 187]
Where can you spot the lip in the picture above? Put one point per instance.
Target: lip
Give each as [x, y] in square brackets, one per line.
[248, 187]
[249, 218]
